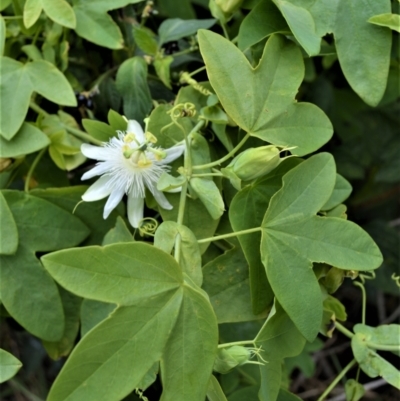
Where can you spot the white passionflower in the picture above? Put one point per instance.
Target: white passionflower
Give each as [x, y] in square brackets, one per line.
[128, 165]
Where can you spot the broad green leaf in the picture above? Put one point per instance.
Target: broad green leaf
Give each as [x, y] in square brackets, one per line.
[71, 305]
[185, 9]
[27, 140]
[386, 334]
[32, 11]
[9, 365]
[145, 39]
[293, 237]
[226, 282]
[271, 377]
[176, 28]
[363, 49]
[94, 312]
[30, 295]
[60, 11]
[190, 257]
[124, 347]
[168, 182]
[302, 25]
[18, 83]
[120, 233]
[8, 229]
[285, 395]
[261, 100]
[262, 21]
[116, 121]
[150, 377]
[98, 129]
[341, 192]
[189, 355]
[248, 393]
[373, 364]
[210, 195]
[246, 211]
[95, 273]
[131, 83]
[354, 390]
[214, 390]
[391, 21]
[162, 66]
[90, 213]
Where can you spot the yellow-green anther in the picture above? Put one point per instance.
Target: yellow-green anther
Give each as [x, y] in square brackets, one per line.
[150, 137]
[158, 153]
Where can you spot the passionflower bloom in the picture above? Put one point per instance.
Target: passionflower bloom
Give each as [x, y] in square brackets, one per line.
[128, 165]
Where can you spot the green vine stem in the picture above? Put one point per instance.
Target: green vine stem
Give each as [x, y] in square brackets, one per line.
[364, 301]
[32, 169]
[75, 132]
[230, 235]
[344, 331]
[337, 380]
[226, 157]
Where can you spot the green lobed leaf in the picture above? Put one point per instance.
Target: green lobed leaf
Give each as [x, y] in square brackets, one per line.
[132, 333]
[373, 364]
[386, 334]
[262, 21]
[214, 390]
[145, 39]
[18, 83]
[120, 233]
[187, 362]
[98, 129]
[388, 20]
[2, 35]
[96, 273]
[9, 365]
[8, 229]
[246, 211]
[60, 12]
[190, 257]
[341, 192]
[131, 83]
[293, 237]
[162, 67]
[354, 390]
[261, 100]
[175, 28]
[94, 312]
[33, 52]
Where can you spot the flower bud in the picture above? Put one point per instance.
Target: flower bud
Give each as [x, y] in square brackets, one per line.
[255, 162]
[228, 358]
[229, 6]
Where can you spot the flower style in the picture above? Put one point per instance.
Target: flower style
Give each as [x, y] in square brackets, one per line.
[128, 165]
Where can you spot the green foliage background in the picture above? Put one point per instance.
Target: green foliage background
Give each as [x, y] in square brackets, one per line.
[131, 309]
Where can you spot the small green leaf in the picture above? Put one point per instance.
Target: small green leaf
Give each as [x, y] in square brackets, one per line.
[391, 21]
[87, 272]
[262, 21]
[131, 83]
[145, 39]
[214, 390]
[209, 194]
[176, 28]
[32, 11]
[354, 390]
[163, 71]
[341, 192]
[116, 121]
[168, 182]
[60, 11]
[9, 365]
[190, 258]
[120, 233]
[99, 130]
[32, 52]
[8, 229]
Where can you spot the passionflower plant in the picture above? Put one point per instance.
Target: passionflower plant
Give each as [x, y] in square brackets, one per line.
[128, 165]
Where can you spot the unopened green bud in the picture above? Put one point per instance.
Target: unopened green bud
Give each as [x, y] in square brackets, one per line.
[228, 358]
[255, 162]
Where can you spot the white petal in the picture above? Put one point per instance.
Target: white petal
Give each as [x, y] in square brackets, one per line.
[173, 153]
[112, 202]
[135, 128]
[174, 190]
[95, 152]
[99, 169]
[135, 210]
[161, 199]
[98, 190]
